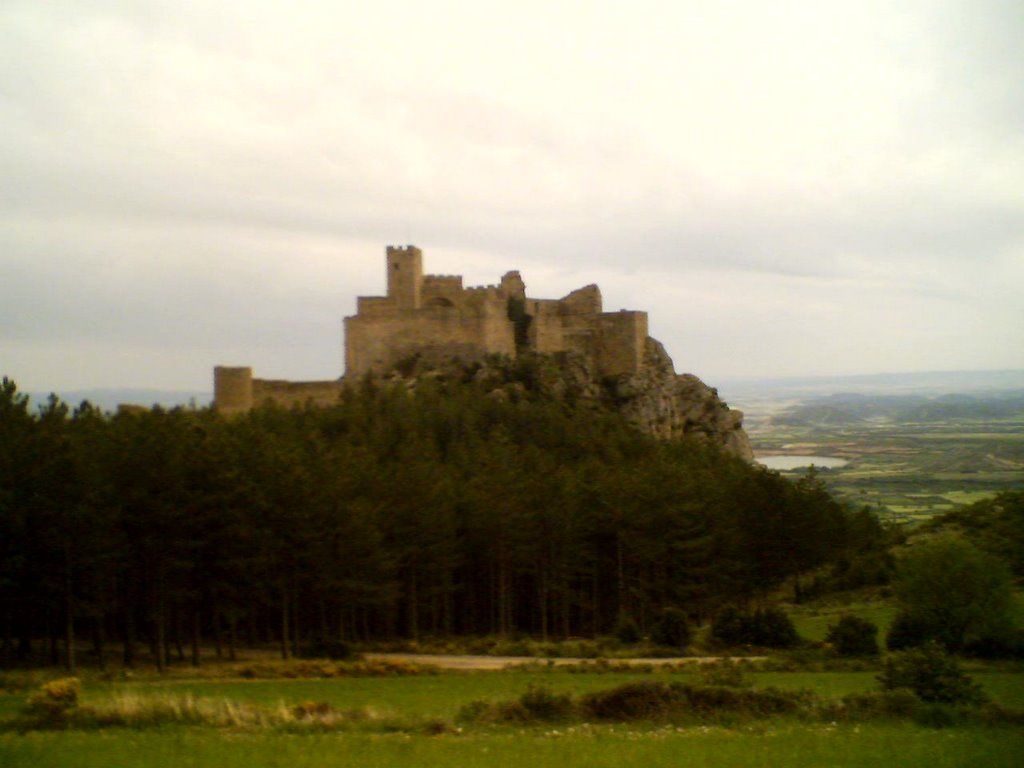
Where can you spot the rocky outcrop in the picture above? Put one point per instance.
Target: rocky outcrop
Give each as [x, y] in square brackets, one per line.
[655, 398]
[670, 405]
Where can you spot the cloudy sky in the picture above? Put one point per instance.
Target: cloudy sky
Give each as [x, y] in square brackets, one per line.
[788, 188]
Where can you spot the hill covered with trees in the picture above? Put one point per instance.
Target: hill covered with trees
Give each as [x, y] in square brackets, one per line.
[440, 510]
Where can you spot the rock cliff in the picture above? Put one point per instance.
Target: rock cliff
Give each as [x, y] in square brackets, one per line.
[655, 398]
[670, 405]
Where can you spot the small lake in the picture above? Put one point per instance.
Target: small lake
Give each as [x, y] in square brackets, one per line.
[784, 463]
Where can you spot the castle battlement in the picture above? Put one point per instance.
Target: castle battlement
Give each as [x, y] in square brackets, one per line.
[436, 316]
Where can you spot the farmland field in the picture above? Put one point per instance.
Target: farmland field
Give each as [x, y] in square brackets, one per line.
[907, 465]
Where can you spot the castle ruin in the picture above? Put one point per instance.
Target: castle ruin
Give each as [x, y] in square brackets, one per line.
[435, 317]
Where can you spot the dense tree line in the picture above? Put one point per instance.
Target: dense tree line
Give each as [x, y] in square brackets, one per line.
[443, 510]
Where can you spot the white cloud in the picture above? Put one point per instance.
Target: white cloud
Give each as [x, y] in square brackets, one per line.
[788, 188]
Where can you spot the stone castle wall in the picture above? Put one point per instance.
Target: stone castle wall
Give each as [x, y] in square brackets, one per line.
[436, 316]
[236, 391]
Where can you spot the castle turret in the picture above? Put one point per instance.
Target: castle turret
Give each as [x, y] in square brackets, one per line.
[232, 389]
[405, 276]
[513, 286]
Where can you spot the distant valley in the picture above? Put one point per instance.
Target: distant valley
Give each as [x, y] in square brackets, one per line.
[911, 445]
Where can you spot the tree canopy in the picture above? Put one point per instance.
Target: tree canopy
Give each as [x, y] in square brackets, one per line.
[392, 513]
[951, 592]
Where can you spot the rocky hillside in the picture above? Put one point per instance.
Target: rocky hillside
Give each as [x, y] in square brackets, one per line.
[671, 405]
[657, 399]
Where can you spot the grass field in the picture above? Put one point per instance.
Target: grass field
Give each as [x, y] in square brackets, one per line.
[812, 621]
[761, 743]
[795, 745]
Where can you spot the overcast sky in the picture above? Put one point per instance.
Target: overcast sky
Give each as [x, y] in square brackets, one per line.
[788, 188]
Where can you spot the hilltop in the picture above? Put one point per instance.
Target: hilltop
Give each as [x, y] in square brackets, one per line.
[568, 348]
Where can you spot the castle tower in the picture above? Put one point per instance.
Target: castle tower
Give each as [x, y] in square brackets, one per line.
[405, 276]
[232, 389]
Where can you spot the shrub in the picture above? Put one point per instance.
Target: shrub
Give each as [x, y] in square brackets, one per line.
[774, 629]
[955, 592]
[900, 702]
[905, 632]
[311, 709]
[1007, 646]
[582, 649]
[537, 704]
[724, 672]
[672, 629]
[710, 701]
[632, 701]
[323, 648]
[53, 702]
[853, 636]
[541, 704]
[768, 628]
[935, 715]
[511, 648]
[626, 631]
[932, 674]
[656, 700]
[731, 626]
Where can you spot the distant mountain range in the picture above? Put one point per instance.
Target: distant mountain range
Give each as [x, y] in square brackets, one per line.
[931, 383]
[854, 408]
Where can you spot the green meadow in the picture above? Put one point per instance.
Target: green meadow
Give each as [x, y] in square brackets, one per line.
[785, 744]
[395, 705]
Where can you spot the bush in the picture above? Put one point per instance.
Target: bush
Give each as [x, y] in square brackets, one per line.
[582, 649]
[731, 626]
[932, 674]
[51, 705]
[774, 629]
[311, 709]
[900, 702]
[954, 592]
[767, 628]
[511, 647]
[936, 716]
[632, 701]
[626, 631]
[659, 701]
[541, 704]
[724, 672]
[322, 648]
[905, 632]
[537, 704]
[853, 636]
[672, 629]
[1007, 646]
[711, 700]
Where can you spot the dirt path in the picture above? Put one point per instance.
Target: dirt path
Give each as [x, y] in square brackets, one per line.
[500, 662]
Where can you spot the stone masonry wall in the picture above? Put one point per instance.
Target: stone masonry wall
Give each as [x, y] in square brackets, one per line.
[435, 315]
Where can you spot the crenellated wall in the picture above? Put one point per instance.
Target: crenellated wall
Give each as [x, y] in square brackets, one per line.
[435, 315]
[289, 393]
[236, 391]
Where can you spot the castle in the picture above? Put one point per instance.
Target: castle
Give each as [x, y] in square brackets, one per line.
[434, 316]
